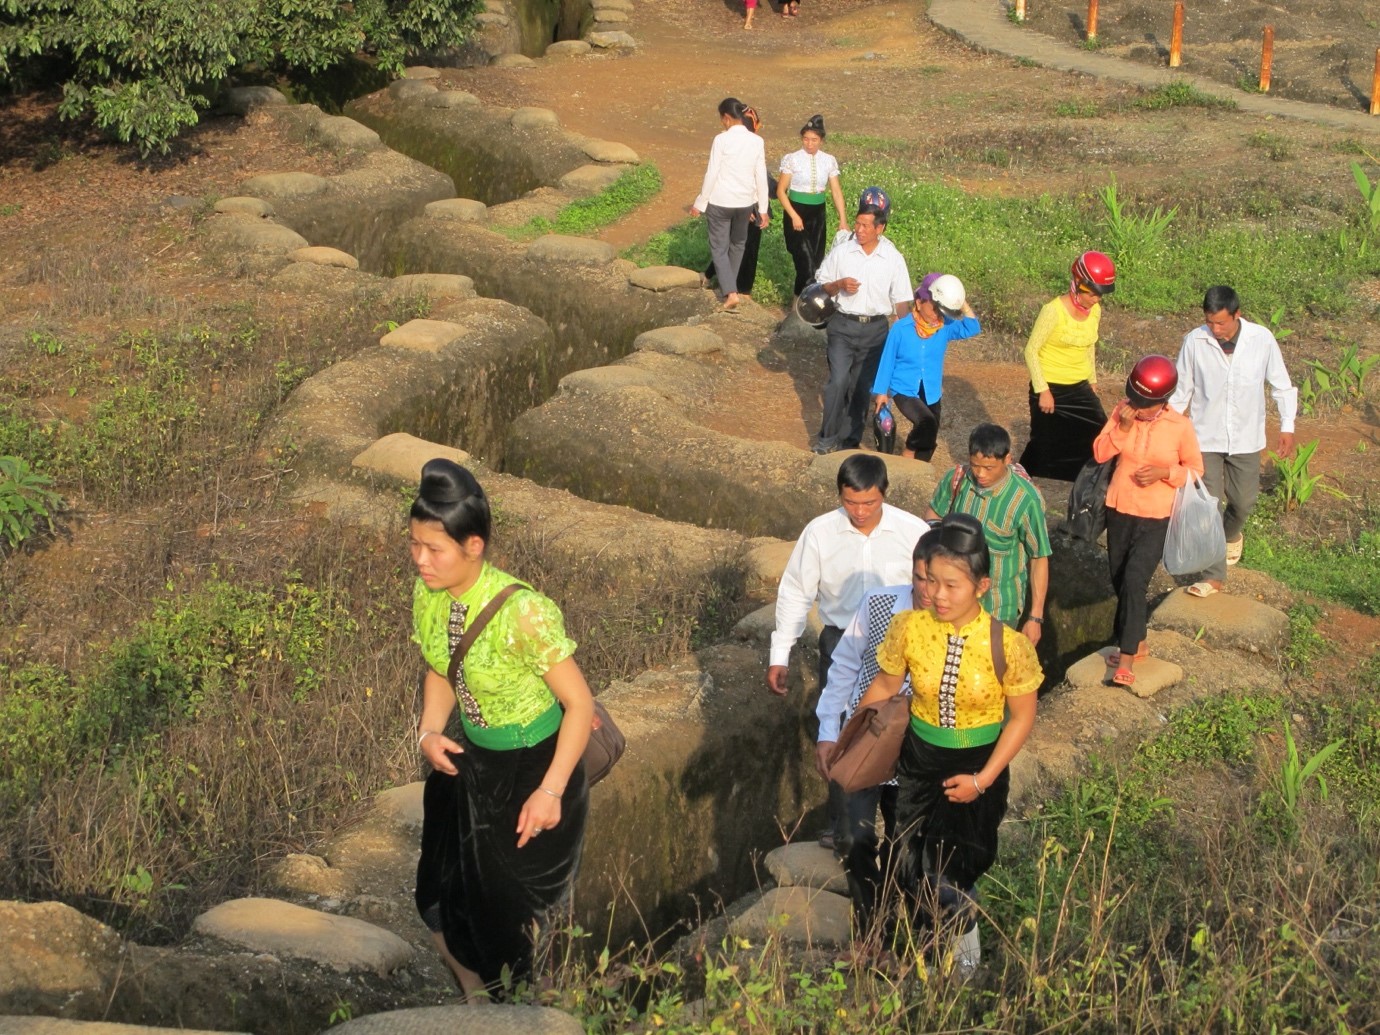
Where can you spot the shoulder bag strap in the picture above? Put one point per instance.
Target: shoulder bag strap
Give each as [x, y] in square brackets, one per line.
[477, 626]
[954, 482]
[998, 649]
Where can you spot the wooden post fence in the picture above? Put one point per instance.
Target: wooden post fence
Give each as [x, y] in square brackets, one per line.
[1267, 57]
[1375, 86]
[1176, 38]
[1092, 20]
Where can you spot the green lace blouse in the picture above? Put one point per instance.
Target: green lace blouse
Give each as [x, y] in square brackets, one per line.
[505, 665]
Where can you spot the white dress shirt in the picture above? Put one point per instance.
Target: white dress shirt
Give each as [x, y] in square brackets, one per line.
[737, 173]
[882, 277]
[834, 564]
[855, 658]
[1224, 396]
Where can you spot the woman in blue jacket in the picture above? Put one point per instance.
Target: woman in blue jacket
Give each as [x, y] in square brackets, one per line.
[911, 372]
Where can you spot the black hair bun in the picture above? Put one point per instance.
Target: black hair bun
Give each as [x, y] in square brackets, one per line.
[816, 123]
[961, 533]
[445, 481]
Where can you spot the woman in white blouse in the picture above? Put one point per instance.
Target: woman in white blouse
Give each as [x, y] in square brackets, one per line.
[734, 192]
[807, 176]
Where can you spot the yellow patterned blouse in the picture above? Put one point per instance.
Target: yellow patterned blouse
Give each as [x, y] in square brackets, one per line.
[957, 699]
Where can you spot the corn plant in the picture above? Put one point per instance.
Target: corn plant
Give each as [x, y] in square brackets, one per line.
[27, 502]
[1132, 235]
[1295, 773]
[1294, 480]
[1335, 386]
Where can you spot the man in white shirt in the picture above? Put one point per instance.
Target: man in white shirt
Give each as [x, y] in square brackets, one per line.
[869, 281]
[1224, 366]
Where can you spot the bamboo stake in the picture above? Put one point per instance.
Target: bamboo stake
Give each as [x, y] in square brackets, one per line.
[1375, 86]
[1267, 57]
[1176, 39]
[1092, 20]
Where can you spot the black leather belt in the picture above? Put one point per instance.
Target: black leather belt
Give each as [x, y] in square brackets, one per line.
[859, 319]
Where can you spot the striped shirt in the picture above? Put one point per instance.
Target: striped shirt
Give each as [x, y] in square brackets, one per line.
[1013, 517]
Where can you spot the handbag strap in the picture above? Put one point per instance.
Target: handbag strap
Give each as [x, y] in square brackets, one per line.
[998, 649]
[476, 627]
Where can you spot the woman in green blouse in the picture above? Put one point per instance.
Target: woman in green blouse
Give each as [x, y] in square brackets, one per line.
[504, 808]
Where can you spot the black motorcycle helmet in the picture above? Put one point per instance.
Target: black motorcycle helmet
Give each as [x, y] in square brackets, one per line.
[814, 305]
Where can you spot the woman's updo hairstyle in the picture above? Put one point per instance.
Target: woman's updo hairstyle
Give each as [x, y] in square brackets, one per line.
[962, 541]
[451, 495]
[733, 107]
[814, 125]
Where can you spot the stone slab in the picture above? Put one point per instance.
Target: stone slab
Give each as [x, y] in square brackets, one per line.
[410, 89]
[574, 251]
[513, 61]
[254, 235]
[431, 285]
[800, 915]
[1225, 620]
[423, 335]
[242, 205]
[1152, 674]
[534, 118]
[402, 456]
[589, 179]
[568, 48]
[474, 1019]
[461, 210]
[767, 559]
[611, 5]
[807, 865]
[609, 150]
[60, 1026]
[285, 185]
[609, 16]
[452, 99]
[678, 340]
[613, 40]
[341, 131]
[664, 278]
[421, 72]
[340, 942]
[320, 255]
[51, 955]
[758, 625]
[241, 100]
[403, 805]
[305, 874]
[494, 18]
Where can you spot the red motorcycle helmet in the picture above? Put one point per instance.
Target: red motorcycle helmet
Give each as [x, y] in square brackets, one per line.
[1152, 381]
[1096, 270]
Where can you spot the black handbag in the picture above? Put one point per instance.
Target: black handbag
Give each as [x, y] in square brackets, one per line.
[1087, 513]
[606, 741]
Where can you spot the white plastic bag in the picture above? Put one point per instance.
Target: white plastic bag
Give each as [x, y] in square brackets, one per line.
[1195, 540]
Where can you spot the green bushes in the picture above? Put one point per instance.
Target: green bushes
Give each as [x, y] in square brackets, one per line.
[27, 501]
[143, 69]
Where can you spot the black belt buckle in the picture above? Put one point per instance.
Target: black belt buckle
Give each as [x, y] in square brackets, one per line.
[858, 318]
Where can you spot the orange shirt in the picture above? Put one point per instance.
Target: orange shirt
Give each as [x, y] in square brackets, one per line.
[1167, 441]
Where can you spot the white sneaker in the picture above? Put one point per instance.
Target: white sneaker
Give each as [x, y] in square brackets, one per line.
[1234, 550]
[967, 954]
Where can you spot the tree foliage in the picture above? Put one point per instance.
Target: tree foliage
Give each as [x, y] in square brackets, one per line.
[143, 69]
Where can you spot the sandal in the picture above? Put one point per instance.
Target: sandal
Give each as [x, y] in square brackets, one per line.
[1123, 677]
[1202, 589]
[1114, 658]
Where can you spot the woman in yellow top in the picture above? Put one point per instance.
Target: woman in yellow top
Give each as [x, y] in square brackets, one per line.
[953, 767]
[1061, 355]
[504, 808]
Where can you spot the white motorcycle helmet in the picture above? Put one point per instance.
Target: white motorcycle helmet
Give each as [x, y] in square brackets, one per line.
[948, 294]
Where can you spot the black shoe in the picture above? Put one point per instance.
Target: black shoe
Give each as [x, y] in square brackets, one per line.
[822, 448]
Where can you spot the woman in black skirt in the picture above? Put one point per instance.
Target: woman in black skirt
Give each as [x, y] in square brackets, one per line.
[972, 706]
[809, 177]
[1065, 412]
[504, 808]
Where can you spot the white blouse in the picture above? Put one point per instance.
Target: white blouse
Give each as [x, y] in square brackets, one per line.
[809, 172]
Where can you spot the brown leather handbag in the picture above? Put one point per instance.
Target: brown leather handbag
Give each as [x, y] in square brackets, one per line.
[606, 741]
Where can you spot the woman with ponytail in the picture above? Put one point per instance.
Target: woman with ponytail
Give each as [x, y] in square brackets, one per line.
[974, 684]
[808, 177]
[734, 193]
[504, 807]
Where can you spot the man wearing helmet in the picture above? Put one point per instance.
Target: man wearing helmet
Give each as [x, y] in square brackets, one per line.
[870, 284]
[1223, 368]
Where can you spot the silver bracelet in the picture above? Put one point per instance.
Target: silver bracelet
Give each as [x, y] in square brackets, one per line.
[979, 786]
[425, 734]
[545, 791]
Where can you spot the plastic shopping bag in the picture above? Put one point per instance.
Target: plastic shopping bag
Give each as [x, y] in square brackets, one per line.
[1195, 540]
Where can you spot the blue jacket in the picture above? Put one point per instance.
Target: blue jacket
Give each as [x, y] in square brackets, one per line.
[908, 360]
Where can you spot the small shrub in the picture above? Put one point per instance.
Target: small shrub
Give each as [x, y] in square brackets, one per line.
[1077, 110]
[27, 501]
[1277, 148]
[1180, 94]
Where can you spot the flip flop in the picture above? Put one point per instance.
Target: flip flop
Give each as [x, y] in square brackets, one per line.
[1114, 658]
[1234, 550]
[1202, 589]
[1123, 677]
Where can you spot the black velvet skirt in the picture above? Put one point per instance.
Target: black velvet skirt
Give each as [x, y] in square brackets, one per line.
[1061, 442]
[486, 895]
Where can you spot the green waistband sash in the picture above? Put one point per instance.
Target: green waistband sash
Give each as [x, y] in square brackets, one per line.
[941, 736]
[801, 198]
[518, 735]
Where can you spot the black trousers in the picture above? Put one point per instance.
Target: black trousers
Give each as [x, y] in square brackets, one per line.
[867, 859]
[924, 419]
[1134, 548]
[1061, 442]
[854, 351]
[806, 245]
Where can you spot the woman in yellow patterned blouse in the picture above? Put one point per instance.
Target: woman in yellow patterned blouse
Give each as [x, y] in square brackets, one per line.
[504, 808]
[966, 726]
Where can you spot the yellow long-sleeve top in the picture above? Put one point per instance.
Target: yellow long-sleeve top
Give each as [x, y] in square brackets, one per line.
[1062, 350]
